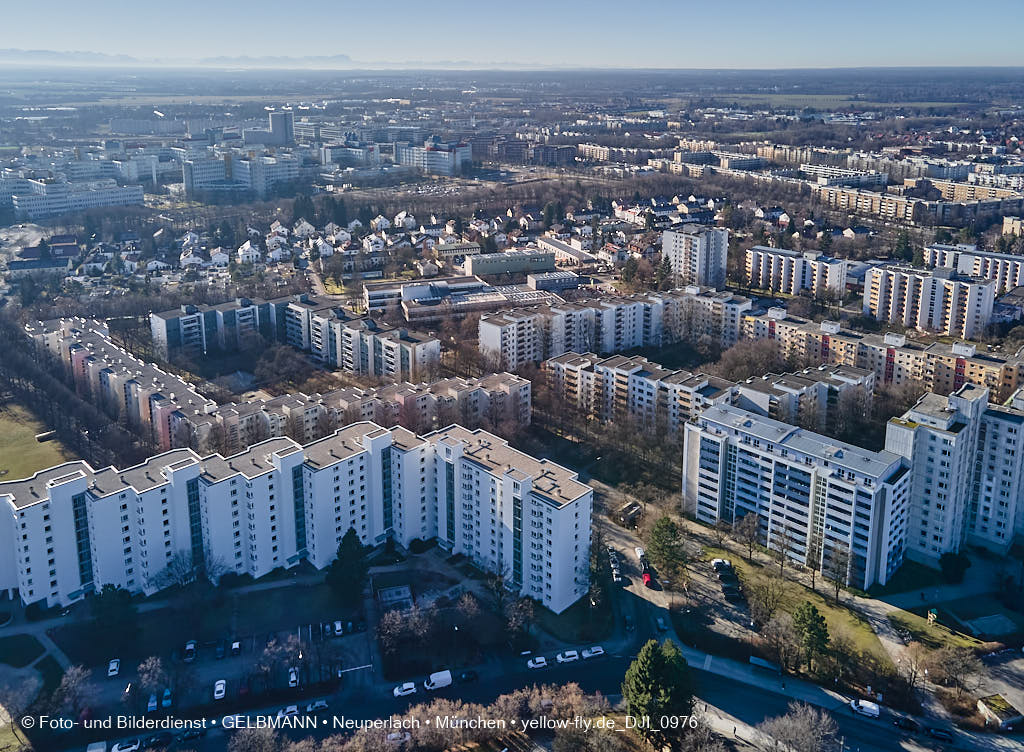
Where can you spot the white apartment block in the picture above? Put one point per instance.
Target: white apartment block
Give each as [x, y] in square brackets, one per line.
[895, 360]
[1007, 271]
[46, 198]
[792, 272]
[634, 390]
[435, 157]
[966, 460]
[812, 494]
[71, 529]
[698, 255]
[519, 336]
[937, 300]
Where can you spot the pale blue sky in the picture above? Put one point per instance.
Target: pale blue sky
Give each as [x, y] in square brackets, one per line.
[656, 33]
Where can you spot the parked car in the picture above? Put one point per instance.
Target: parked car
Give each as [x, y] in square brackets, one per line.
[288, 711]
[567, 656]
[403, 690]
[648, 580]
[865, 708]
[128, 745]
[593, 652]
[616, 577]
[538, 662]
[220, 651]
[190, 651]
[339, 629]
[192, 733]
[113, 668]
[167, 699]
[721, 565]
[317, 706]
[236, 648]
[908, 724]
[220, 688]
[467, 676]
[639, 552]
[151, 704]
[398, 737]
[939, 733]
[660, 624]
[293, 677]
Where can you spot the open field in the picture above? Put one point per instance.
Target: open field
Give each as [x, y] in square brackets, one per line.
[931, 635]
[824, 101]
[20, 453]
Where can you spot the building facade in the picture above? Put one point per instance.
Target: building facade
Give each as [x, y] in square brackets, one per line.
[71, 529]
[792, 272]
[698, 255]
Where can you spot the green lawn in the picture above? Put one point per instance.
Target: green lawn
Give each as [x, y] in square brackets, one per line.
[838, 617]
[932, 635]
[910, 576]
[19, 650]
[20, 454]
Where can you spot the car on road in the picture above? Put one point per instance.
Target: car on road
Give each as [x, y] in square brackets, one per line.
[293, 677]
[907, 724]
[568, 656]
[220, 688]
[402, 690]
[639, 552]
[939, 733]
[317, 706]
[648, 580]
[721, 565]
[167, 699]
[113, 668]
[158, 741]
[151, 704]
[190, 651]
[865, 708]
[339, 629]
[399, 737]
[593, 652]
[288, 711]
[236, 648]
[467, 676]
[539, 662]
[128, 745]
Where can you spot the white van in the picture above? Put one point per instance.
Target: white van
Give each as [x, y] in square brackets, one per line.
[863, 707]
[438, 680]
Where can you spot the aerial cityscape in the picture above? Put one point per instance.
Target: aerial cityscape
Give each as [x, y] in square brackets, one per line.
[561, 386]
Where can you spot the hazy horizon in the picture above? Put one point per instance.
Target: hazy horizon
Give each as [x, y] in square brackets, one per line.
[798, 34]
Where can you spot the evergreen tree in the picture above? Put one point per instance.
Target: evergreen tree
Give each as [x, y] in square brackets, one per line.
[903, 249]
[812, 629]
[665, 547]
[303, 208]
[629, 269]
[339, 212]
[346, 575]
[825, 244]
[663, 276]
[658, 683]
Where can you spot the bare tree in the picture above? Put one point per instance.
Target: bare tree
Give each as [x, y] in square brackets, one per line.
[802, 729]
[780, 636]
[836, 566]
[766, 594]
[75, 691]
[152, 674]
[746, 530]
[913, 662]
[957, 666]
[254, 740]
[782, 544]
[15, 699]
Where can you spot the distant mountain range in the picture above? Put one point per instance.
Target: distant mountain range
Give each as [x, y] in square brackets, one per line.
[313, 62]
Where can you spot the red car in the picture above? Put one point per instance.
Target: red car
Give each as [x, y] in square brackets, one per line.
[647, 579]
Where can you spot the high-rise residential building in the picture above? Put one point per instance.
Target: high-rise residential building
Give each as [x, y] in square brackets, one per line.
[698, 255]
[937, 300]
[632, 390]
[826, 504]
[966, 460]
[608, 325]
[792, 272]
[70, 529]
[282, 127]
[435, 157]
[1006, 270]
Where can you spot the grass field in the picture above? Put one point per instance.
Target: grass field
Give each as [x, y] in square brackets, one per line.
[19, 650]
[578, 623]
[931, 635]
[910, 576]
[838, 617]
[20, 453]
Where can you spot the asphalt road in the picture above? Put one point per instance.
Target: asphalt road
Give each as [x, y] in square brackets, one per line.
[747, 703]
